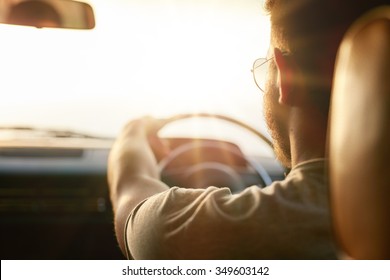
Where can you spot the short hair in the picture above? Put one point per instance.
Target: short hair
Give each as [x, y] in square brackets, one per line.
[312, 31]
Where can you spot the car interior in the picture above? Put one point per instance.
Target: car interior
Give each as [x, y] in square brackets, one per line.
[54, 200]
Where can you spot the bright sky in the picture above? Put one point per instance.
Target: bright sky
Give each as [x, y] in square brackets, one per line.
[154, 57]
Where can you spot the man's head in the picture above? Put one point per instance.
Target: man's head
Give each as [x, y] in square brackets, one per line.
[309, 32]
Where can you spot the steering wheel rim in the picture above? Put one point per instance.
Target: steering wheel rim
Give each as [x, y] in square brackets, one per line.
[178, 117]
[179, 151]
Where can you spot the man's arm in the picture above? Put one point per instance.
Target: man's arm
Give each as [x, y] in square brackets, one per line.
[132, 172]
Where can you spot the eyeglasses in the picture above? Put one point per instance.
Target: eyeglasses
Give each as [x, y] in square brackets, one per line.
[259, 71]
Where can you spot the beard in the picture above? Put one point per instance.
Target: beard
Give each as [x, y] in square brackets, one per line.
[276, 118]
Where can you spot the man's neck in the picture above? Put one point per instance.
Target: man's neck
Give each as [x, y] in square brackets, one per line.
[307, 135]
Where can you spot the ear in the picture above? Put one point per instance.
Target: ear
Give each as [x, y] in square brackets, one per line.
[286, 72]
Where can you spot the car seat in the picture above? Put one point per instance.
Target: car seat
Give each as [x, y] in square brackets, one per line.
[359, 139]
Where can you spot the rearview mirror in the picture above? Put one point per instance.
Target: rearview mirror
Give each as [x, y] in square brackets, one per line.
[47, 13]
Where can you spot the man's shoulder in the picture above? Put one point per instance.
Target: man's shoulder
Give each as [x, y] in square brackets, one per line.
[309, 174]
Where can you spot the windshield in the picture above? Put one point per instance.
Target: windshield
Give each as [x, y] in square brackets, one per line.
[144, 57]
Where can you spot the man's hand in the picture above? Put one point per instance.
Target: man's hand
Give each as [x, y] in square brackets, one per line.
[131, 154]
[133, 173]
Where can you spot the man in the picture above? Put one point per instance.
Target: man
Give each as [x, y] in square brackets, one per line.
[286, 220]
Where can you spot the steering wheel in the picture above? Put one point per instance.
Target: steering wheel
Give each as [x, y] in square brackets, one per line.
[194, 163]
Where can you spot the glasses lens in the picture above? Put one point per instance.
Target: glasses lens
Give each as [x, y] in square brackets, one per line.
[260, 69]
